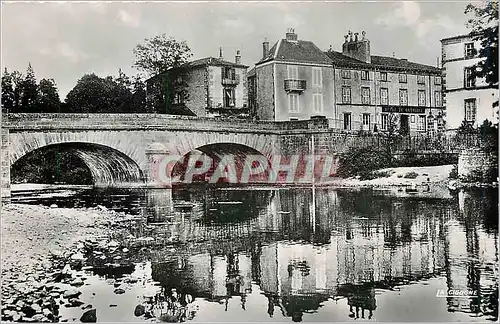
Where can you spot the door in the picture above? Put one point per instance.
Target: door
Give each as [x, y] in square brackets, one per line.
[405, 126]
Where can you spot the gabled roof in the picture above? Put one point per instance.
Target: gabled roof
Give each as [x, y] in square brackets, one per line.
[212, 61]
[296, 51]
[380, 62]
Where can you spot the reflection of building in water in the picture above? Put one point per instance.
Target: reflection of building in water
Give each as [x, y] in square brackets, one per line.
[472, 255]
[361, 243]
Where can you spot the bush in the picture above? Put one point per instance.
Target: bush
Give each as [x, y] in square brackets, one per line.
[411, 175]
[362, 161]
[454, 172]
[375, 174]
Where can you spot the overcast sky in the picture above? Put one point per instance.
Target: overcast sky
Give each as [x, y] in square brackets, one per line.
[66, 40]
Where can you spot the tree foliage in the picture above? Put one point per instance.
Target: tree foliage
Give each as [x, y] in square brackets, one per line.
[48, 99]
[160, 53]
[93, 94]
[484, 28]
[7, 91]
[29, 97]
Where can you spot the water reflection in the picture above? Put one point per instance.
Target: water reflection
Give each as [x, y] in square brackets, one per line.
[355, 245]
[358, 242]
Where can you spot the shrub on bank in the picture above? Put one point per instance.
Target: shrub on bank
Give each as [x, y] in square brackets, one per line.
[362, 161]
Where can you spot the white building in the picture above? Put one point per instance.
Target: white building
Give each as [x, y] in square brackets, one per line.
[465, 99]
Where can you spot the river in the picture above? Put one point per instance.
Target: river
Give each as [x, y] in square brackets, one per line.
[281, 255]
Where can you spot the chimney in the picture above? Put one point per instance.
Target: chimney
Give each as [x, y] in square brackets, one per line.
[237, 58]
[290, 35]
[220, 53]
[356, 48]
[265, 48]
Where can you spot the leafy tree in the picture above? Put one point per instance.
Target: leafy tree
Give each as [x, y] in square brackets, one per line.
[48, 97]
[93, 94]
[484, 28]
[139, 95]
[160, 53]
[29, 98]
[7, 91]
[17, 80]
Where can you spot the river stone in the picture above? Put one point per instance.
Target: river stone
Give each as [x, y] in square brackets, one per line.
[89, 316]
[119, 291]
[72, 292]
[139, 310]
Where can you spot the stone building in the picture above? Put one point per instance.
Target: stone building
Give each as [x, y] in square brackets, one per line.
[205, 87]
[292, 81]
[376, 92]
[353, 89]
[466, 99]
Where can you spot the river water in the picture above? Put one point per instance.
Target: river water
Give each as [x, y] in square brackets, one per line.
[282, 255]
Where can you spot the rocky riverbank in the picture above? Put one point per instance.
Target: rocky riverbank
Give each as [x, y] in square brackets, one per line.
[41, 247]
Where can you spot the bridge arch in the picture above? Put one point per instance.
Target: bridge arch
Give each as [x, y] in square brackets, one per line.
[239, 153]
[108, 166]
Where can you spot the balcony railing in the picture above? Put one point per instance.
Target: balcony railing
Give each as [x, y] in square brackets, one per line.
[231, 81]
[295, 85]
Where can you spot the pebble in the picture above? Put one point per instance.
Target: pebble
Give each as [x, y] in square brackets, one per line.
[119, 291]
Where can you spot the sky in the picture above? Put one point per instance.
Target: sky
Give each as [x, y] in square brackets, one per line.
[64, 40]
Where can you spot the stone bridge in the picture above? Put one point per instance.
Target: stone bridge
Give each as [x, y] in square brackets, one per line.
[119, 148]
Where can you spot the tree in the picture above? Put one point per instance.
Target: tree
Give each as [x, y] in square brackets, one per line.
[17, 81]
[139, 95]
[484, 28]
[93, 94]
[160, 53]
[48, 97]
[29, 97]
[7, 91]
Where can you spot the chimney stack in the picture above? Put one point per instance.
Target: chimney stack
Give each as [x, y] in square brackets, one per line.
[265, 48]
[356, 48]
[237, 58]
[290, 35]
[220, 53]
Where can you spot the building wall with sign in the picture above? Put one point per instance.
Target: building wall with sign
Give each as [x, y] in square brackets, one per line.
[376, 94]
[469, 100]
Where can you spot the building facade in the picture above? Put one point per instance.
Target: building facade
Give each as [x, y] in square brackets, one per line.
[377, 93]
[292, 81]
[207, 87]
[353, 89]
[467, 99]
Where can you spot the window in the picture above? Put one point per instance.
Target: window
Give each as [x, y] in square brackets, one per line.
[365, 75]
[437, 99]
[469, 50]
[347, 121]
[383, 76]
[403, 97]
[421, 123]
[346, 95]
[179, 98]
[470, 110]
[317, 102]
[420, 79]
[366, 121]
[293, 72]
[229, 97]
[317, 77]
[293, 102]
[384, 96]
[402, 78]
[346, 74]
[228, 73]
[421, 98]
[385, 121]
[365, 95]
[469, 81]
[437, 80]
[412, 119]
